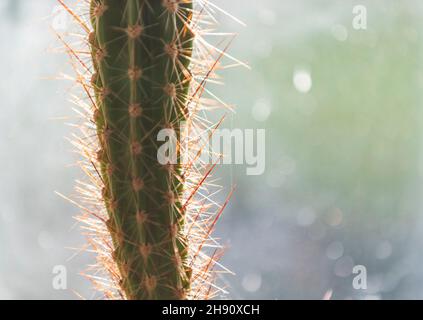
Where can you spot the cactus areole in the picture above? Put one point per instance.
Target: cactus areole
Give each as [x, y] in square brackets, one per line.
[141, 51]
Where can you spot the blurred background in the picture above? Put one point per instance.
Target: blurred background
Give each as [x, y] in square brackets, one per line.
[344, 170]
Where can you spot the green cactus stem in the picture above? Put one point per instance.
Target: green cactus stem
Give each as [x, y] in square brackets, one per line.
[141, 51]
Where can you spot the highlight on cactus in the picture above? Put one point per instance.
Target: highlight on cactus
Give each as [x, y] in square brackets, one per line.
[142, 66]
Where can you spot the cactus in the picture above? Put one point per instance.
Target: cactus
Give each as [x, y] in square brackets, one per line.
[141, 53]
[150, 224]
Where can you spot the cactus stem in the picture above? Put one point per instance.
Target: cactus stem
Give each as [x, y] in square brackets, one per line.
[150, 224]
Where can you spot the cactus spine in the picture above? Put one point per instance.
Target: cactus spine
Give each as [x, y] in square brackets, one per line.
[143, 66]
[141, 52]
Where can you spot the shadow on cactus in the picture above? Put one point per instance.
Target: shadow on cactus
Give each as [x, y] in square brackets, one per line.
[142, 66]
